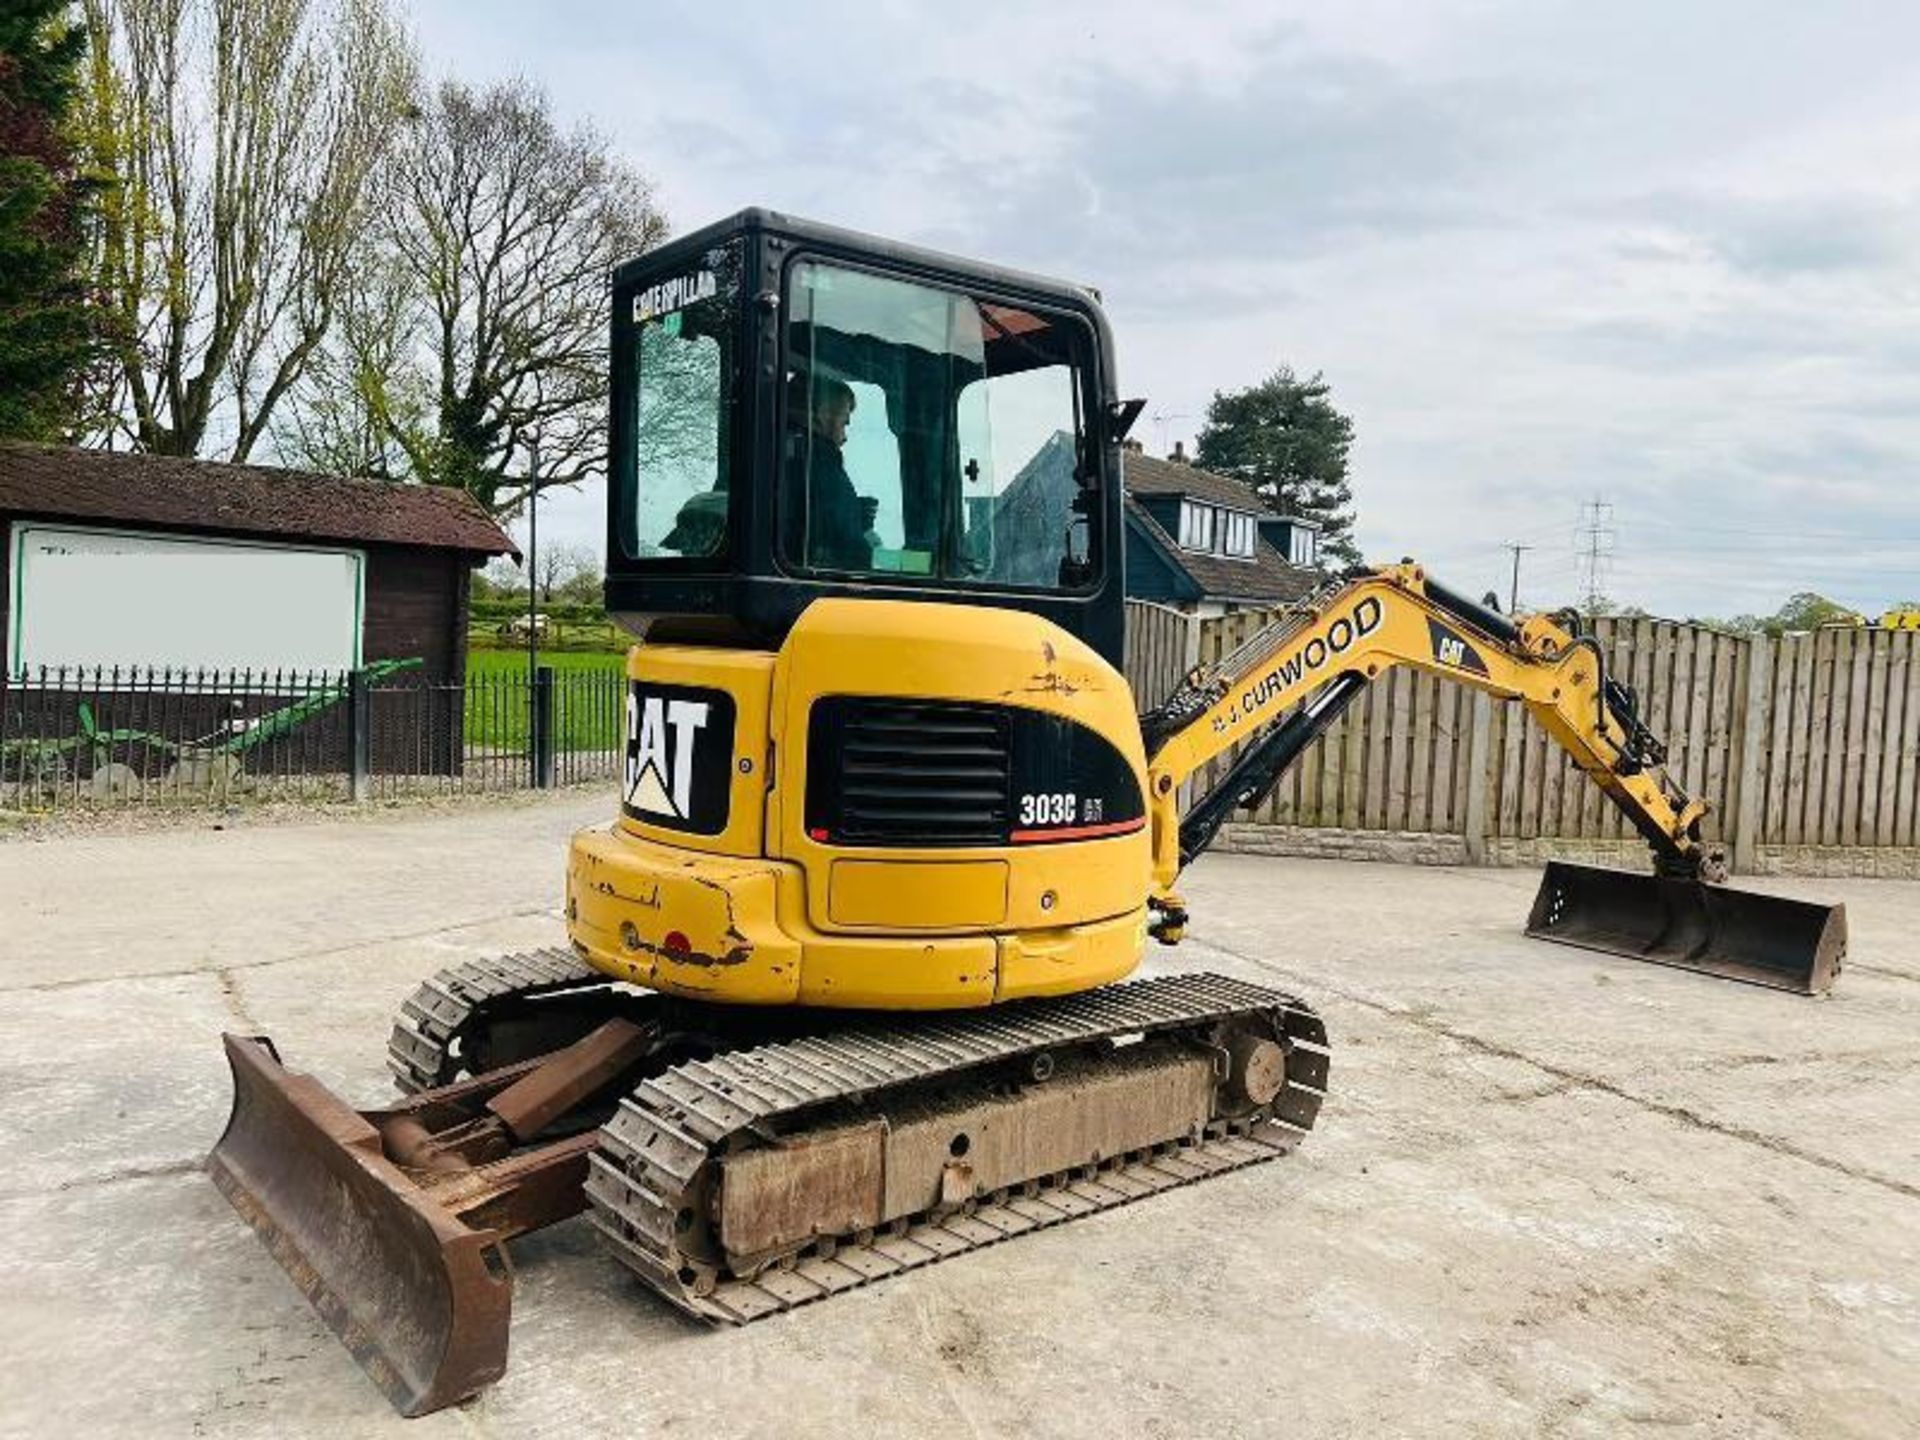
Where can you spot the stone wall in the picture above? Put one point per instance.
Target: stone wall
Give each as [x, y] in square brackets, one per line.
[1413, 847]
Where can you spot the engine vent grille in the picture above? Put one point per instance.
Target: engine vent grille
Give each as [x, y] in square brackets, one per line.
[907, 772]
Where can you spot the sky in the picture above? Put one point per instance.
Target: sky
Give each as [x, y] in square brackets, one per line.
[1662, 256]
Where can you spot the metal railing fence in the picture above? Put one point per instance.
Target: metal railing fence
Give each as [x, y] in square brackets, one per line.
[74, 738]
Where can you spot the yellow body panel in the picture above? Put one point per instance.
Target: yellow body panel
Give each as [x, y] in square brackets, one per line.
[746, 675]
[714, 928]
[918, 894]
[1062, 962]
[970, 654]
[760, 913]
[677, 920]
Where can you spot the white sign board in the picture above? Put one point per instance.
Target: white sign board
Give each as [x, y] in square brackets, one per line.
[86, 597]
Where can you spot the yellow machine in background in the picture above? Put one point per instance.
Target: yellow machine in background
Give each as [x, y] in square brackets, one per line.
[865, 520]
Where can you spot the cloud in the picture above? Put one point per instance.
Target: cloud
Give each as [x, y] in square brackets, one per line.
[1542, 251]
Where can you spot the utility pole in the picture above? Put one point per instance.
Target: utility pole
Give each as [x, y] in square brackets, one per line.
[1596, 530]
[539, 683]
[533, 565]
[1513, 594]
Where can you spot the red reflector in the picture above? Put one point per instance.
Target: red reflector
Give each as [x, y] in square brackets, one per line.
[817, 833]
[677, 943]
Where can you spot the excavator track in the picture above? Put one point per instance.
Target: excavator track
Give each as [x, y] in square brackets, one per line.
[436, 1022]
[657, 1178]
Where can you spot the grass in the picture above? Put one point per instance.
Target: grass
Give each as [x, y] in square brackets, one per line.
[564, 662]
[588, 701]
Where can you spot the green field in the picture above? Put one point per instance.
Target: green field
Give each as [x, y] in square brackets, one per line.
[588, 702]
[564, 662]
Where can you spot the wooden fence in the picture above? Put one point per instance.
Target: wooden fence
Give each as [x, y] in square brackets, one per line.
[1162, 646]
[1807, 747]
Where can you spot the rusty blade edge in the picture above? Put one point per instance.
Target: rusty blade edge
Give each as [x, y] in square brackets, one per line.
[332, 1309]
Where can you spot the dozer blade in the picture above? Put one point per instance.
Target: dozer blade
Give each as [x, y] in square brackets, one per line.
[1765, 939]
[419, 1298]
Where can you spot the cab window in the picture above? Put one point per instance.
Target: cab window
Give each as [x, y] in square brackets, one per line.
[933, 435]
[671, 474]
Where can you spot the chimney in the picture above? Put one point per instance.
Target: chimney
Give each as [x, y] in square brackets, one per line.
[1179, 456]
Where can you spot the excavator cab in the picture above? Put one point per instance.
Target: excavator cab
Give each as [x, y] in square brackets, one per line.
[801, 412]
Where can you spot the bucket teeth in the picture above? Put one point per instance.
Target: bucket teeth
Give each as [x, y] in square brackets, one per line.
[1770, 940]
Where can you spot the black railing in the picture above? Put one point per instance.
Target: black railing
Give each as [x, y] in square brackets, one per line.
[143, 737]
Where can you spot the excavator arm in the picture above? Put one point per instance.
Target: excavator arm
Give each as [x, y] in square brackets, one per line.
[1399, 616]
[1280, 691]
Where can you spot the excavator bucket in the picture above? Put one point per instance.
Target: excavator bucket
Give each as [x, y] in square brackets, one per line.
[420, 1299]
[1766, 939]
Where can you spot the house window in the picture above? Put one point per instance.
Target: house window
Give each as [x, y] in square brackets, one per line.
[1215, 530]
[1196, 526]
[1304, 548]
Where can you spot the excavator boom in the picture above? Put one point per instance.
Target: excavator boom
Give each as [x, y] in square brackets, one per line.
[1310, 664]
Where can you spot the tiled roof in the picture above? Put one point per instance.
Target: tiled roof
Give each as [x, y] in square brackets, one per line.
[1267, 579]
[1145, 475]
[57, 481]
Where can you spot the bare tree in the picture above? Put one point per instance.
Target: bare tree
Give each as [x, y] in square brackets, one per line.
[333, 423]
[501, 575]
[500, 232]
[240, 139]
[566, 570]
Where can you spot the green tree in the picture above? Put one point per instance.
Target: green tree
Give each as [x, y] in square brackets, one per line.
[1807, 611]
[45, 323]
[242, 138]
[1284, 439]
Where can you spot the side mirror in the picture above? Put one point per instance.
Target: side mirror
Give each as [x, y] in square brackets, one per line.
[1120, 417]
[1076, 565]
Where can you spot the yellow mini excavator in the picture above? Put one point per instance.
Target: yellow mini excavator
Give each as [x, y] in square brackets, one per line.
[842, 990]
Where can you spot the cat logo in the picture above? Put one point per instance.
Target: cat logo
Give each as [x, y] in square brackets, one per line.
[1451, 649]
[679, 757]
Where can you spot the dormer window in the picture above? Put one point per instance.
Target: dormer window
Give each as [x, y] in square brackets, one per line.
[1196, 526]
[1216, 530]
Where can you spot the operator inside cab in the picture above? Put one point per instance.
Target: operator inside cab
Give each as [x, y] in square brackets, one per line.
[837, 519]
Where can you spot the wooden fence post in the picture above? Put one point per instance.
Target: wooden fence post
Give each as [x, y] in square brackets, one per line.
[1748, 743]
[1479, 778]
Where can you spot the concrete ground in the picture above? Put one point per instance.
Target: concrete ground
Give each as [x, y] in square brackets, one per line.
[1552, 1193]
